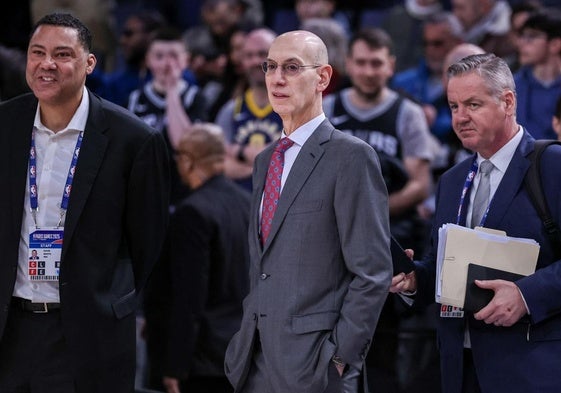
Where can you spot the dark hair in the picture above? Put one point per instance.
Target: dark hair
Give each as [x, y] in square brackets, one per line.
[547, 20]
[166, 34]
[67, 20]
[375, 38]
[525, 6]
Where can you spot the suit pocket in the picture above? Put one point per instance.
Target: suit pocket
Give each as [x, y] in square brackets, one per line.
[125, 305]
[302, 207]
[314, 322]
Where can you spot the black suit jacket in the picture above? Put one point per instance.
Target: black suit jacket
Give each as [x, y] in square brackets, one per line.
[114, 228]
[208, 258]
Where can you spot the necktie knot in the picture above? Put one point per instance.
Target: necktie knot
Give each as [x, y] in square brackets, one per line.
[486, 167]
[283, 145]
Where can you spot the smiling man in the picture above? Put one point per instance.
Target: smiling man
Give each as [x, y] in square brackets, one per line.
[86, 185]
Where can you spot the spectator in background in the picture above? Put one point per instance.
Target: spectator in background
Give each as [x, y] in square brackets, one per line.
[233, 82]
[538, 81]
[556, 119]
[248, 121]
[220, 18]
[441, 33]
[519, 14]
[323, 9]
[486, 23]
[98, 15]
[168, 103]
[336, 41]
[134, 39]
[208, 258]
[404, 24]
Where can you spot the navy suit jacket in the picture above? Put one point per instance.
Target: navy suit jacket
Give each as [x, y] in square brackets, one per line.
[525, 357]
[114, 228]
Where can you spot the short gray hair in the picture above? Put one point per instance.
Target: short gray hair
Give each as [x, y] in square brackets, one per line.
[494, 70]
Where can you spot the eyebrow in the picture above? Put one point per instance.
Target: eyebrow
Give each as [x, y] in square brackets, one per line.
[290, 60]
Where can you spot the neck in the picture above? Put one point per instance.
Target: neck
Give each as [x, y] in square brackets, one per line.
[260, 96]
[57, 117]
[366, 101]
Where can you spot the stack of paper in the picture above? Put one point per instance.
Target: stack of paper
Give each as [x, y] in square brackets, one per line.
[459, 246]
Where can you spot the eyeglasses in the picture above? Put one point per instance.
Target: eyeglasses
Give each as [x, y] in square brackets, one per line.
[287, 69]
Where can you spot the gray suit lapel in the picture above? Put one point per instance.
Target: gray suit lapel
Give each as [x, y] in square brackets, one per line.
[307, 159]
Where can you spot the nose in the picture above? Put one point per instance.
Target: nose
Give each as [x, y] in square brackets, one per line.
[48, 62]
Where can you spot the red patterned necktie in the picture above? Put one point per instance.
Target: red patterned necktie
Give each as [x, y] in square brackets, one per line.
[273, 186]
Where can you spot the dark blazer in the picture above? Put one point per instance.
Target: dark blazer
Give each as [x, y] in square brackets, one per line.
[525, 357]
[209, 263]
[114, 228]
[320, 281]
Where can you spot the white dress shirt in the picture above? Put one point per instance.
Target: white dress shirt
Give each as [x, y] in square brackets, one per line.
[54, 154]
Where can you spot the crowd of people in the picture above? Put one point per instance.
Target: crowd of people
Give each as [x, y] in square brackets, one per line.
[274, 271]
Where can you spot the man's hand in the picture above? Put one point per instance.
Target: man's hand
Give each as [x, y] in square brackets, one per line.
[171, 384]
[507, 306]
[405, 282]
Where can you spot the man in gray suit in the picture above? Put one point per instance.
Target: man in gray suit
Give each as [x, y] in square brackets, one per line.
[321, 264]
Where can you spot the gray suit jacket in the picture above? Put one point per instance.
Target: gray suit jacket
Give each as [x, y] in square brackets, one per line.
[319, 283]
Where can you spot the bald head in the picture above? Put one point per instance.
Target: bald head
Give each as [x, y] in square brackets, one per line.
[311, 46]
[458, 53]
[203, 143]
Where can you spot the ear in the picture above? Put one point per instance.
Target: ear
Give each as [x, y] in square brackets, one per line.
[325, 73]
[554, 45]
[510, 102]
[90, 63]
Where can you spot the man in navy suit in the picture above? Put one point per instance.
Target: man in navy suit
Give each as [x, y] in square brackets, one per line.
[513, 343]
[86, 183]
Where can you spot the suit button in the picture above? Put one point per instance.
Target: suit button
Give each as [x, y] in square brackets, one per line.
[264, 276]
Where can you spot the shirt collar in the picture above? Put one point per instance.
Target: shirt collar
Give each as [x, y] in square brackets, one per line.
[78, 121]
[501, 159]
[302, 133]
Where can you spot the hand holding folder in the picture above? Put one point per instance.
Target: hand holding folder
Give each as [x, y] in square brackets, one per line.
[477, 298]
[460, 246]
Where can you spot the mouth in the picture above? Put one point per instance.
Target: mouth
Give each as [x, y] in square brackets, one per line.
[279, 95]
[44, 78]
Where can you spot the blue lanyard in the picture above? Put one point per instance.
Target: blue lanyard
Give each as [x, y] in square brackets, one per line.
[467, 185]
[33, 190]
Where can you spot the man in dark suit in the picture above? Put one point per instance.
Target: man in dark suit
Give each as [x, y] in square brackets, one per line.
[208, 263]
[513, 343]
[98, 216]
[320, 264]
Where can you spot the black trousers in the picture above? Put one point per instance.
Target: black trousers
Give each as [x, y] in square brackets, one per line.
[33, 354]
